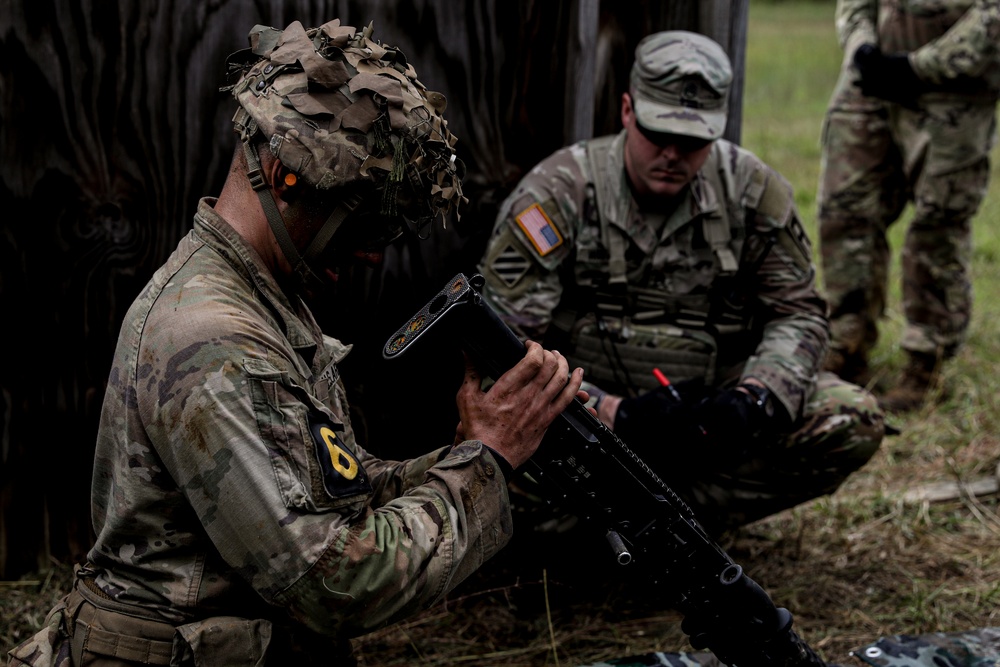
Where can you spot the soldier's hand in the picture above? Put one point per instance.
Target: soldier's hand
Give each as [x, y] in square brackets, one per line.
[513, 415]
[736, 424]
[663, 430]
[600, 403]
[887, 76]
[655, 415]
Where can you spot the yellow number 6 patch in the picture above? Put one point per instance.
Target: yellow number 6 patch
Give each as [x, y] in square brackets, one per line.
[338, 455]
[343, 475]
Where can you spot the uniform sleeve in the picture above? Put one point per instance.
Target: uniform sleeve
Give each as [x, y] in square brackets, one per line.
[534, 233]
[393, 561]
[391, 479]
[856, 22]
[967, 49]
[291, 503]
[795, 333]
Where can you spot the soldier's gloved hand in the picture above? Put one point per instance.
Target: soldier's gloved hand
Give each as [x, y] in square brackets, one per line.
[649, 416]
[887, 76]
[661, 429]
[740, 419]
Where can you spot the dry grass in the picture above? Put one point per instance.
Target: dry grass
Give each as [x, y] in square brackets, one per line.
[25, 603]
[852, 567]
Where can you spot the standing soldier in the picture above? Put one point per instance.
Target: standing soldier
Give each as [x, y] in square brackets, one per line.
[665, 247]
[912, 119]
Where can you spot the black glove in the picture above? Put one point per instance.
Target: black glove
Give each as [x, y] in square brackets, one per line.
[888, 77]
[738, 422]
[660, 428]
[649, 416]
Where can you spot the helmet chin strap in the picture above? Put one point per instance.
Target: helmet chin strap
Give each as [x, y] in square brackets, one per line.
[302, 264]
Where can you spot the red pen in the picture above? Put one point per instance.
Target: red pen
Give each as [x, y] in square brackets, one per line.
[665, 381]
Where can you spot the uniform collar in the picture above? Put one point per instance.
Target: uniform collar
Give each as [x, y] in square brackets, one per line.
[698, 199]
[298, 324]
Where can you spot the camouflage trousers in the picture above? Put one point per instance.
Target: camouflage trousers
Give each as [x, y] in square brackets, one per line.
[877, 157]
[840, 430]
[842, 427]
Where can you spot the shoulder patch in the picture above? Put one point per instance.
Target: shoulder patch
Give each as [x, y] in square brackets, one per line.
[343, 474]
[777, 201]
[795, 241]
[538, 227]
[509, 264]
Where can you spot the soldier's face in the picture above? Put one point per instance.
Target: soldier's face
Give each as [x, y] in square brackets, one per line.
[660, 164]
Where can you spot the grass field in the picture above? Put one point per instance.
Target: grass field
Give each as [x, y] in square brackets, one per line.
[861, 564]
[792, 64]
[941, 558]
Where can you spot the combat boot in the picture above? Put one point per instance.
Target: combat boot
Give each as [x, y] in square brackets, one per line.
[920, 374]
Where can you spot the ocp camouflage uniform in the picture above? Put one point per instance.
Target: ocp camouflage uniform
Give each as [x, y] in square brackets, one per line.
[878, 155]
[236, 516]
[661, 659]
[238, 521]
[720, 289]
[974, 648]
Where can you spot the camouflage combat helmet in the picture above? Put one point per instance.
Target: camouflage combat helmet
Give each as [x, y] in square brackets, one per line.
[342, 111]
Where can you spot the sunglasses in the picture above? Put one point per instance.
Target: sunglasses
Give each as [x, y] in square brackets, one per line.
[682, 142]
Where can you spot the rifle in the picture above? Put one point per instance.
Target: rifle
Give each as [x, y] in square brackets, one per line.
[581, 461]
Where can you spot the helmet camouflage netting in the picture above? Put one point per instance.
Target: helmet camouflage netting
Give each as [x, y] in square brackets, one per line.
[338, 108]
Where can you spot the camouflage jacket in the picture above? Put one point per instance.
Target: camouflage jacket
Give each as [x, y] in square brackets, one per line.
[227, 479]
[949, 41]
[555, 236]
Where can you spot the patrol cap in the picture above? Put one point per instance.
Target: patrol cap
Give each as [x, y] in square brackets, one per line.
[680, 84]
[341, 109]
